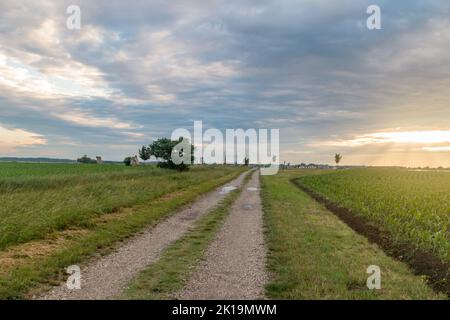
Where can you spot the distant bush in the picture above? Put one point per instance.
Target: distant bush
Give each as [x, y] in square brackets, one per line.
[127, 161]
[86, 159]
[173, 166]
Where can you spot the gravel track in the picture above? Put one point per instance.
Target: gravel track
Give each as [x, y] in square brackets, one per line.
[234, 267]
[105, 278]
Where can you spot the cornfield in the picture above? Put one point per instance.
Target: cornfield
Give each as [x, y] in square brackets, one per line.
[412, 206]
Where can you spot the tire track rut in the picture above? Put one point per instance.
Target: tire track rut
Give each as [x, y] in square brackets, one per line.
[234, 267]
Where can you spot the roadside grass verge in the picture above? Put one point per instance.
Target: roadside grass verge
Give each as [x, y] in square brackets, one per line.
[169, 274]
[34, 275]
[314, 255]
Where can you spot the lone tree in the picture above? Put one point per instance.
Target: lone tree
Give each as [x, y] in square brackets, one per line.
[164, 148]
[144, 153]
[337, 158]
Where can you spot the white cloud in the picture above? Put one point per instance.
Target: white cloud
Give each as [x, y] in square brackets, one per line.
[2, 59]
[86, 119]
[71, 79]
[11, 139]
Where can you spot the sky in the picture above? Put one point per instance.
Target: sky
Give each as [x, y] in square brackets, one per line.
[135, 71]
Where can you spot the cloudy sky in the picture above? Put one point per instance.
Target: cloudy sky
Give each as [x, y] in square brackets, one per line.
[137, 70]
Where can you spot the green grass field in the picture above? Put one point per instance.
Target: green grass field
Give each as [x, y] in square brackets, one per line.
[314, 255]
[54, 218]
[34, 205]
[412, 206]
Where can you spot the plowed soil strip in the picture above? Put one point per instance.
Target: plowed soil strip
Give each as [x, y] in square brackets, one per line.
[234, 267]
[106, 277]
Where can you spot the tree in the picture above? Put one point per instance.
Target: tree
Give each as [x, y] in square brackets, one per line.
[164, 148]
[127, 161]
[86, 159]
[144, 153]
[337, 158]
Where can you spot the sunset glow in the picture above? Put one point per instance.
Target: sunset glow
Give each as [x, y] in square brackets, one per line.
[402, 137]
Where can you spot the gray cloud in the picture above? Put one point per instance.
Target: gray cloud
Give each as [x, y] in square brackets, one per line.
[310, 68]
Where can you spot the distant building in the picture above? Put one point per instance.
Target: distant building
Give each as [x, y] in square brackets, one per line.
[135, 161]
[99, 160]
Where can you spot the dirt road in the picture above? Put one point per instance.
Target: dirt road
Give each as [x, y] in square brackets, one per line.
[234, 267]
[106, 277]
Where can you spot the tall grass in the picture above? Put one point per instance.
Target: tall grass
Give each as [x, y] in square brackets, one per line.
[37, 271]
[39, 201]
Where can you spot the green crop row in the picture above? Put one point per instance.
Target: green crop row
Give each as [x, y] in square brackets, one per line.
[412, 206]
